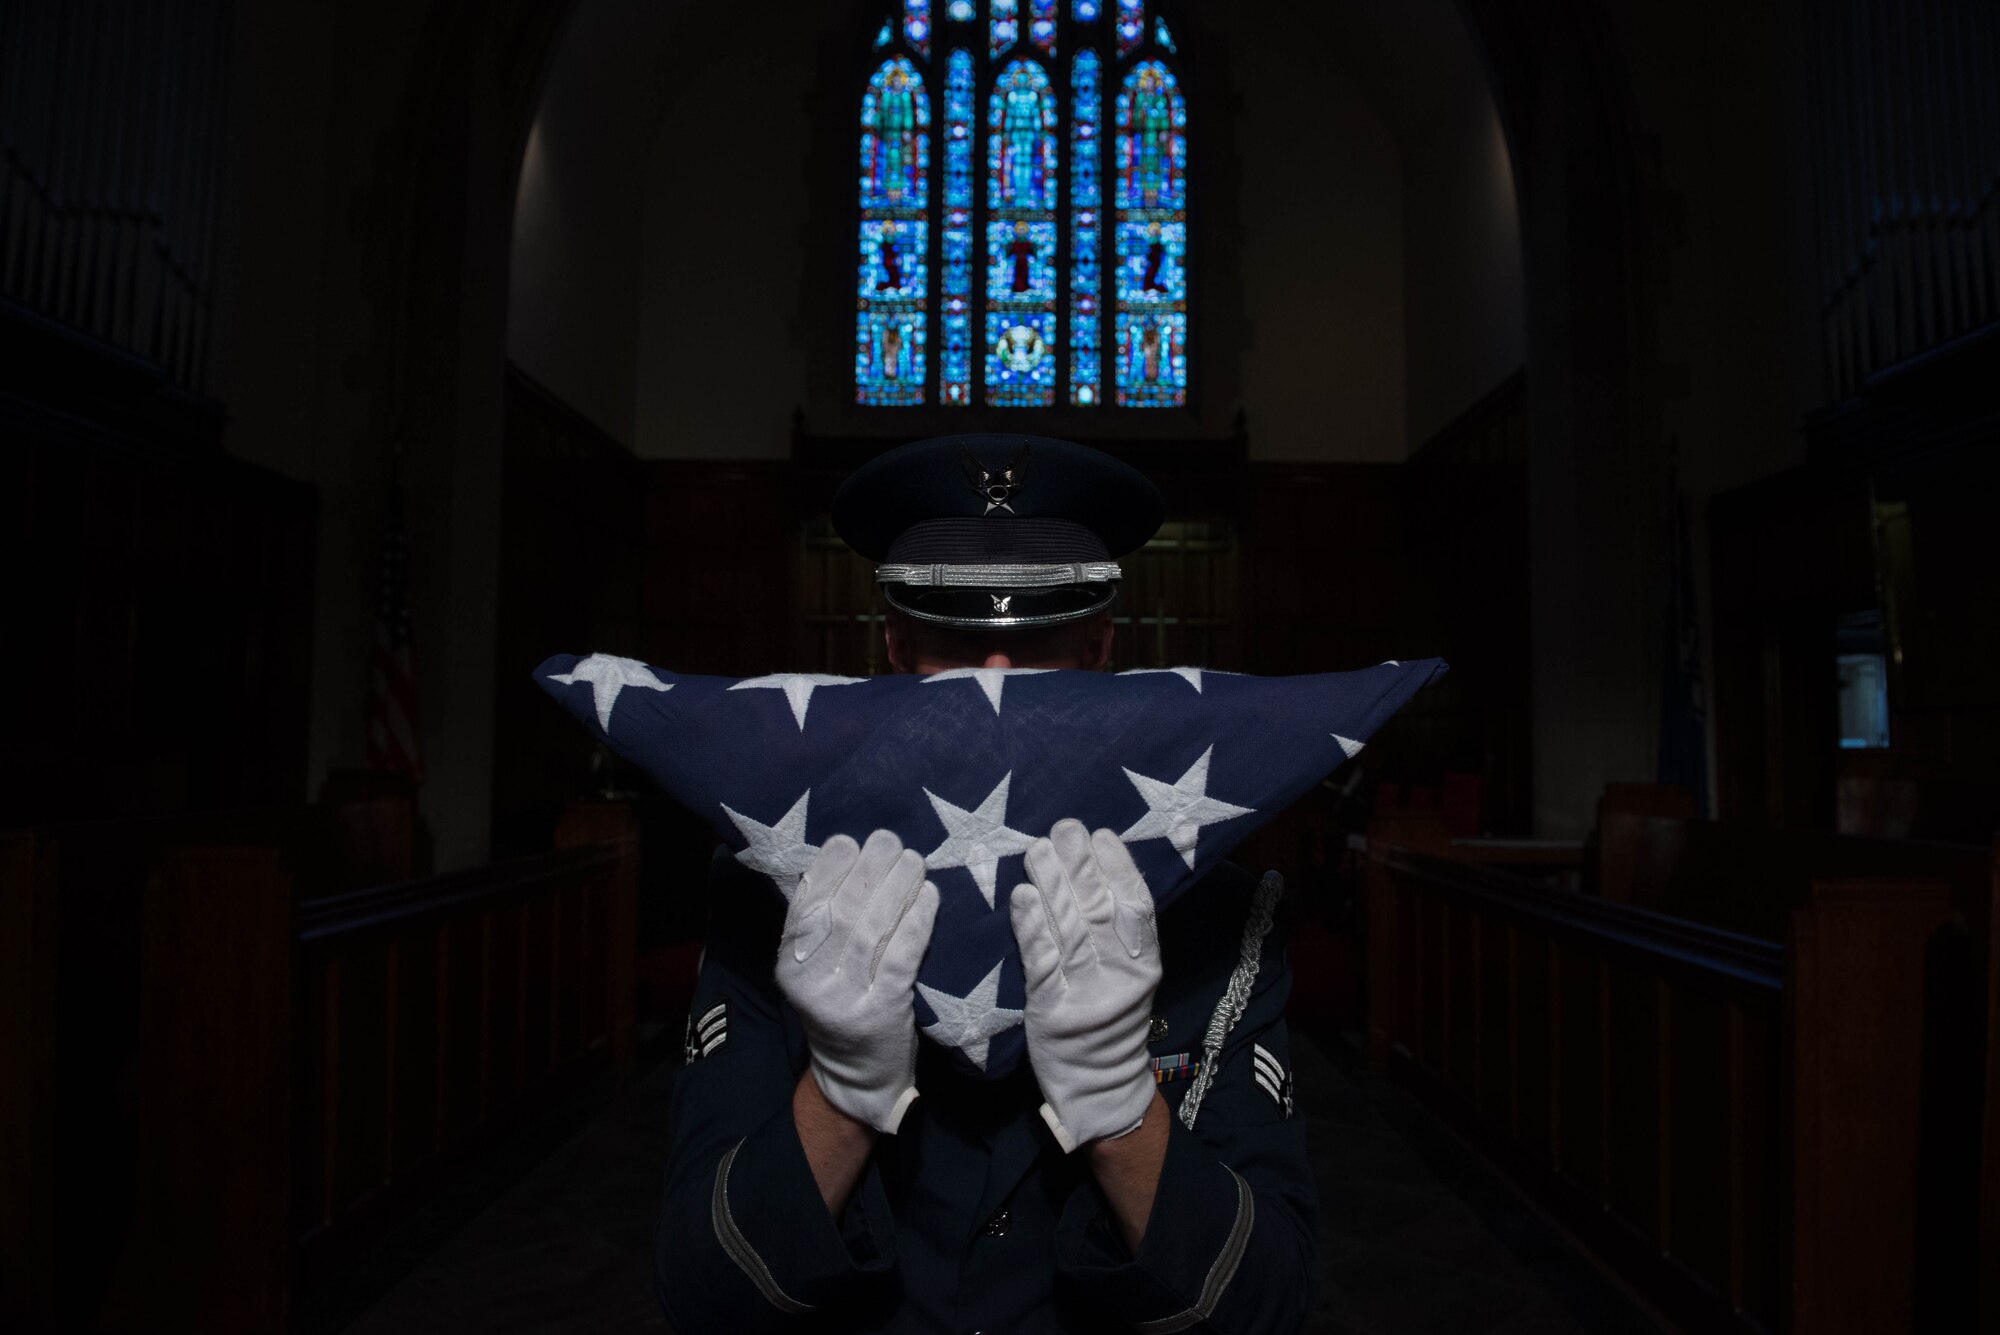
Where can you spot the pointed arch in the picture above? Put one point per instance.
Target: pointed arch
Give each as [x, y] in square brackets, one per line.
[1149, 223]
[1086, 284]
[955, 317]
[1022, 178]
[892, 326]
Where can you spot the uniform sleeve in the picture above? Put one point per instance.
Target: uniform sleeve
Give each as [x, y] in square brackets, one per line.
[744, 1242]
[1231, 1244]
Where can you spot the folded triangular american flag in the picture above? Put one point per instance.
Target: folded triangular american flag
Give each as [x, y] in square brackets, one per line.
[968, 766]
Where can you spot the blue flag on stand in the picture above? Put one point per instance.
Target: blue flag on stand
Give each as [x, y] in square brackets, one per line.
[969, 766]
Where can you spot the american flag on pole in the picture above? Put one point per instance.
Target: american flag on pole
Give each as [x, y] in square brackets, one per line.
[971, 765]
[394, 740]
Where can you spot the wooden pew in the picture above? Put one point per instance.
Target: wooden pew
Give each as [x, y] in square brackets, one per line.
[1749, 879]
[1739, 1126]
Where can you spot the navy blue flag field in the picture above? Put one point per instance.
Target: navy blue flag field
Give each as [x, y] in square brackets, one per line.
[968, 766]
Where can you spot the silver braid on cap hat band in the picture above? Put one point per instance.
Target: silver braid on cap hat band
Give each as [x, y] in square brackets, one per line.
[1000, 576]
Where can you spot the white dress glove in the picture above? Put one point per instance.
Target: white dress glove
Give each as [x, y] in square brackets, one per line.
[1092, 959]
[857, 928]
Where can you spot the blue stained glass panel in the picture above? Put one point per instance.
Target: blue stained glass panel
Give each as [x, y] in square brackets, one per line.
[917, 25]
[1162, 37]
[1003, 26]
[955, 322]
[1150, 231]
[960, 11]
[1022, 175]
[1131, 25]
[891, 322]
[1084, 11]
[1152, 261]
[884, 37]
[1086, 375]
[1042, 24]
[1021, 263]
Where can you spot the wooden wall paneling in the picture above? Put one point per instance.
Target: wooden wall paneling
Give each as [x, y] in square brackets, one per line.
[1989, 1172]
[1701, 1136]
[1633, 1109]
[1581, 1096]
[209, 1245]
[1495, 1047]
[28, 956]
[1434, 991]
[614, 926]
[1857, 991]
[1382, 914]
[178, 587]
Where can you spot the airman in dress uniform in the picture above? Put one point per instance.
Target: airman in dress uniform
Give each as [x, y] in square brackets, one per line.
[1143, 1170]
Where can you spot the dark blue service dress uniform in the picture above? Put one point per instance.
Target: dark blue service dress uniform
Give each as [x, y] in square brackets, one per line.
[971, 1219]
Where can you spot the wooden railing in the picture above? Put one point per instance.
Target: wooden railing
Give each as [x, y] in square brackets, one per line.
[221, 1076]
[1744, 1129]
[427, 1008]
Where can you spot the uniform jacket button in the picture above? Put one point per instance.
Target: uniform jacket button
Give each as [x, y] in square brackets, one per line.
[996, 1227]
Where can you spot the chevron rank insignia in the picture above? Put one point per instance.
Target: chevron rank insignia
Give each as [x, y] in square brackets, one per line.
[1180, 1066]
[706, 1032]
[1272, 1077]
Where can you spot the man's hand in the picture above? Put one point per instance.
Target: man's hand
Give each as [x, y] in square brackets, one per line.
[1092, 959]
[857, 928]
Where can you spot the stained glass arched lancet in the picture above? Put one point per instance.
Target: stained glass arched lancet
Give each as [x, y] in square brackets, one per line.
[955, 369]
[892, 327]
[1150, 222]
[1022, 177]
[1086, 285]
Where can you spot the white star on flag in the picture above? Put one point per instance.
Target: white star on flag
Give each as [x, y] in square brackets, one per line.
[779, 851]
[976, 840]
[1348, 744]
[991, 680]
[971, 1022]
[1177, 811]
[797, 686]
[1192, 676]
[608, 675]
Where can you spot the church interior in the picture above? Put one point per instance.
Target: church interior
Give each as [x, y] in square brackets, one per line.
[1637, 359]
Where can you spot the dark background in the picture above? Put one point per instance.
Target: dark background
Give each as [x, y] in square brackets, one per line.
[1637, 358]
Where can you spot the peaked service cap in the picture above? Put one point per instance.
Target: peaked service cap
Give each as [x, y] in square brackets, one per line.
[997, 529]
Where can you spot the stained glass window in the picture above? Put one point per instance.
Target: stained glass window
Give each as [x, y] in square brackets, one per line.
[955, 368]
[1131, 25]
[1086, 287]
[1042, 25]
[1085, 284]
[1150, 221]
[891, 328]
[917, 25]
[1003, 26]
[1021, 179]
